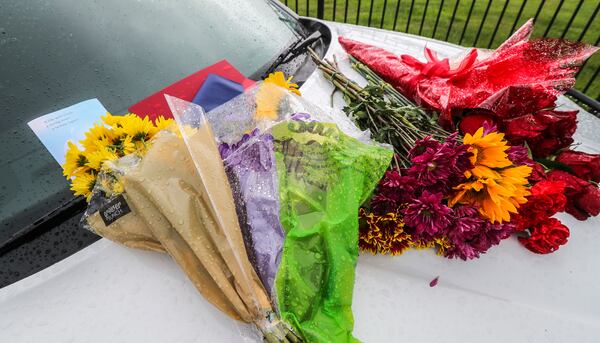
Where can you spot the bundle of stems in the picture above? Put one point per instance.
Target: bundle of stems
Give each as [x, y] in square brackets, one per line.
[390, 116]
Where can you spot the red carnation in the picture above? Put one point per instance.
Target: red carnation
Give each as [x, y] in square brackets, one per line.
[537, 174]
[583, 197]
[585, 166]
[546, 199]
[546, 237]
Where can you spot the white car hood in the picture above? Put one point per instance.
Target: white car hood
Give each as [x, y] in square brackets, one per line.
[107, 292]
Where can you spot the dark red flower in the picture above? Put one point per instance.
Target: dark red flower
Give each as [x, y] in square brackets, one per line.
[546, 237]
[585, 166]
[583, 197]
[427, 215]
[392, 178]
[519, 156]
[557, 134]
[537, 174]
[393, 190]
[545, 131]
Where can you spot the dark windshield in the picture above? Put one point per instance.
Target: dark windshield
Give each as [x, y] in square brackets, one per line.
[54, 54]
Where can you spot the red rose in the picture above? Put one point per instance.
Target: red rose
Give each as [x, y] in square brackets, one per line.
[546, 237]
[522, 128]
[560, 127]
[546, 199]
[545, 131]
[521, 112]
[474, 120]
[583, 197]
[585, 166]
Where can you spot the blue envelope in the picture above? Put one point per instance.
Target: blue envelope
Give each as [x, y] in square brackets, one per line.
[215, 91]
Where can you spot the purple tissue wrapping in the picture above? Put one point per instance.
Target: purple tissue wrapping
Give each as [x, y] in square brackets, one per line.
[251, 168]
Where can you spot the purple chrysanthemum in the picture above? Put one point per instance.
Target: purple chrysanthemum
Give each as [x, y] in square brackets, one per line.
[392, 178]
[393, 190]
[471, 235]
[427, 215]
[519, 155]
[439, 166]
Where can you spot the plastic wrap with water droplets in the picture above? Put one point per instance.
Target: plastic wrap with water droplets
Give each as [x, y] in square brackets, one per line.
[319, 167]
[242, 128]
[217, 196]
[452, 87]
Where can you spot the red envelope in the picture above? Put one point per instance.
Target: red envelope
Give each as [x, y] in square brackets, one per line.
[186, 88]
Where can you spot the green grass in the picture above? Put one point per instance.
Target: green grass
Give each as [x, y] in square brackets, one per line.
[470, 38]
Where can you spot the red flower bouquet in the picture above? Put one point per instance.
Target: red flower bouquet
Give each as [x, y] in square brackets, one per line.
[513, 89]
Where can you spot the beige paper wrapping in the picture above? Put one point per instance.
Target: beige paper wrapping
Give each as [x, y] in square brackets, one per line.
[189, 212]
[130, 230]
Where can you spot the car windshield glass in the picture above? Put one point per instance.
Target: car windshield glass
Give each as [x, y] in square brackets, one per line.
[54, 54]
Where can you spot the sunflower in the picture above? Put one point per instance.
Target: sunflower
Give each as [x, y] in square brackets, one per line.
[127, 146]
[97, 158]
[114, 137]
[94, 135]
[278, 78]
[110, 184]
[270, 93]
[489, 151]
[83, 184]
[113, 121]
[140, 130]
[494, 185]
[75, 161]
[162, 123]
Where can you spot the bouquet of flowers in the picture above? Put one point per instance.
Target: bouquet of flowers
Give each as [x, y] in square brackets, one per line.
[325, 168]
[257, 201]
[508, 168]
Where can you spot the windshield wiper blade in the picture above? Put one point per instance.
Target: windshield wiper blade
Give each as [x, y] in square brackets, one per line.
[50, 219]
[293, 51]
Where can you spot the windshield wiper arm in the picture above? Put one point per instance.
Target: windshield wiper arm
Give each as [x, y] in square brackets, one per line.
[294, 50]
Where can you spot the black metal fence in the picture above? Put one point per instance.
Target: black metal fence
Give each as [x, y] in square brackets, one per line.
[480, 23]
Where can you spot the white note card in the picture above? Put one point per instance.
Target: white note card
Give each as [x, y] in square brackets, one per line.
[68, 124]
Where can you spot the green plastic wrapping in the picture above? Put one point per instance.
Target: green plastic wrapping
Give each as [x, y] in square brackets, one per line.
[324, 176]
